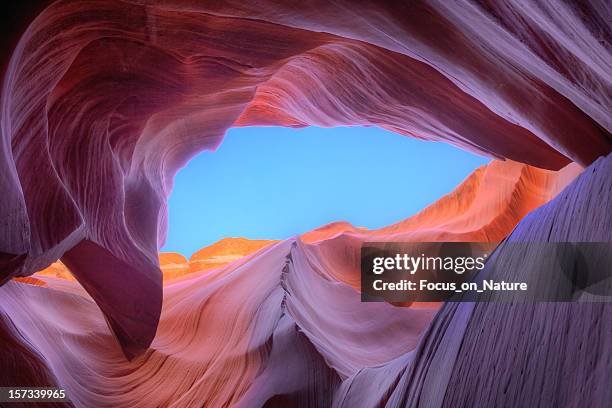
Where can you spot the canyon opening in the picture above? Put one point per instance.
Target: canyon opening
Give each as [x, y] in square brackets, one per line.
[344, 132]
[271, 183]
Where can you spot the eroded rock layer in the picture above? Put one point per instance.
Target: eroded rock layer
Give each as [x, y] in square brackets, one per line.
[252, 318]
[285, 317]
[485, 207]
[103, 101]
[512, 353]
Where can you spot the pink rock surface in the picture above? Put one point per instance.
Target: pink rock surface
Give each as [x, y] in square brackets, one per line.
[513, 353]
[288, 318]
[248, 319]
[103, 101]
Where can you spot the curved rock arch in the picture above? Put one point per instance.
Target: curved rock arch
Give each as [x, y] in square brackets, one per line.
[103, 101]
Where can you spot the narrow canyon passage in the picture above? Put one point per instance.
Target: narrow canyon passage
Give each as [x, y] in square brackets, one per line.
[103, 102]
[298, 297]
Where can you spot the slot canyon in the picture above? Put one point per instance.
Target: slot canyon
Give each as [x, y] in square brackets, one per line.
[103, 101]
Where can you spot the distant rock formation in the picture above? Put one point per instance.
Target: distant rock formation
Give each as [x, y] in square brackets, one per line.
[225, 251]
[174, 265]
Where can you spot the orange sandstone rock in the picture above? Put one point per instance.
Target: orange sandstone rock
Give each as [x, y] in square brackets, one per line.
[224, 252]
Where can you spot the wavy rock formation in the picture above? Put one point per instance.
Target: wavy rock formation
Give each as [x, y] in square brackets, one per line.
[103, 101]
[512, 353]
[272, 310]
[190, 298]
[484, 208]
[299, 336]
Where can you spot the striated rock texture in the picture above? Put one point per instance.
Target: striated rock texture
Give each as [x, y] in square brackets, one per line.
[103, 101]
[252, 332]
[512, 354]
[278, 328]
[484, 208]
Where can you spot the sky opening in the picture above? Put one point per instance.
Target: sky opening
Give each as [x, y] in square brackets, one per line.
[273, 183]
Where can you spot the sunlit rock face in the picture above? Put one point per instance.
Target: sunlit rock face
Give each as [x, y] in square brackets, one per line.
[484, 208]
[103, 101]
[57, 270]
[224, 252]
[174, 265]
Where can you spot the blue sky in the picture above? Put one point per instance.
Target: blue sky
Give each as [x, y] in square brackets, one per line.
[272, 183]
